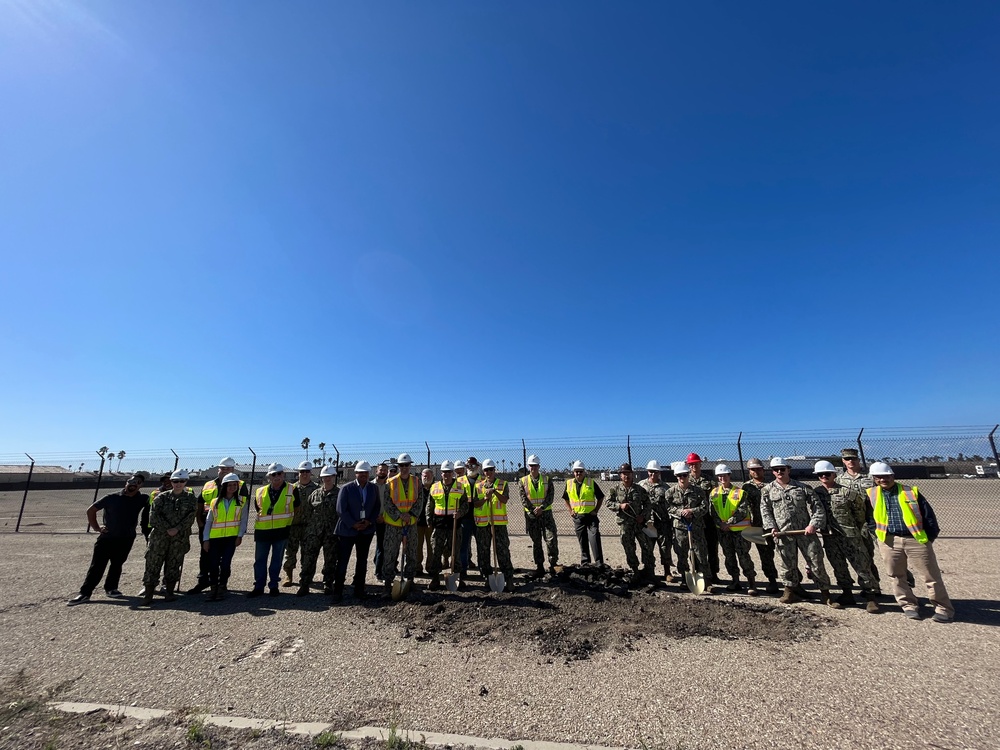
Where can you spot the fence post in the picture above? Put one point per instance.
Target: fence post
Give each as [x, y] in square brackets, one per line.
[524, 455]
[428, 454]
[24, 498]
[97, 489]
[739, 449]
[177, 459]
[993, 445]
[253, 473]
[628, 448]
[861, 451]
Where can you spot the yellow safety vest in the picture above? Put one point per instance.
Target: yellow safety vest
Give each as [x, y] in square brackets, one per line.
[404, 502]
[446, 505]
[211, 490]
[225, 522]
[536, 496]
[277, 514]
[495, 506]
[911, 512]
[726, 504]
[469, 485]
[586, 501]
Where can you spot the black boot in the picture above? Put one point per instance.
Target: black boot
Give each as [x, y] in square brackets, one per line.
[170, 596]
[846, 598]
[214, 594]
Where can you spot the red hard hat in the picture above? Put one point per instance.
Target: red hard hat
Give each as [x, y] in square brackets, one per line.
[693, 458]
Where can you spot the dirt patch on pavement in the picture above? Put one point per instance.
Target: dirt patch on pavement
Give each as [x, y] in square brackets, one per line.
[585, 611]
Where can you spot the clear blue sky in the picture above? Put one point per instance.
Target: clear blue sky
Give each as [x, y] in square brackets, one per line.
[238, 223]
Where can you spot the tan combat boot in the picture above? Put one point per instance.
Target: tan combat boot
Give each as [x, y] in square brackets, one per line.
[872, 607]
[824, 596]
[288, 579]
[789, 596]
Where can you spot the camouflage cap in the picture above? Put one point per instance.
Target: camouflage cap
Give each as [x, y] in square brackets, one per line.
[849, 453]
[625, 468]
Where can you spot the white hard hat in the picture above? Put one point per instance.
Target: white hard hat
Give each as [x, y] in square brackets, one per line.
[305, 466]
[578, 465]
[722, 469]
[275, 469]
[653, 465]
[362, 466]
[881, 469]
[489, 463]
[328, 471]
[447, 466]
[179, 474]
[404, 458]
[778, 461]
[226, 463]
[679, 467]
[533, 460]
[230, 478]
[824, 467]
[460, 464]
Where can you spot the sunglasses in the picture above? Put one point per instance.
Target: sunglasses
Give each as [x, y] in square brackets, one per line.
[827, 474]
[177, 481]
[779, 469]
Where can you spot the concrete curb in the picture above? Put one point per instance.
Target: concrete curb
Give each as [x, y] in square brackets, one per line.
[312, 728]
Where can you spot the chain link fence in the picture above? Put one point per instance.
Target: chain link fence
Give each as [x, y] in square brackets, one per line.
[955, 467]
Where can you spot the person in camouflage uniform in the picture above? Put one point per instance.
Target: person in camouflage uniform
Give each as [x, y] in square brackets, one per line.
[302, 491]
[320, 534]
[687, 507]
[492, 497]
[711, 532]
[537, 494]
[630, 503]
[765, 552]
[447, 500]
[170, 520]
[657, 491]
[853, 479]
[846, 510]
[400, 510]
[788, 505]
[731, 514]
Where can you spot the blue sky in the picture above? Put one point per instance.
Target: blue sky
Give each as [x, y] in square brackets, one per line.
[238, 223]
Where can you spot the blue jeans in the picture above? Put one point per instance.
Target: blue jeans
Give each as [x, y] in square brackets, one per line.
[261, 569]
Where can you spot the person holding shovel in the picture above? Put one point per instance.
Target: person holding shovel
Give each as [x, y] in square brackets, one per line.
[537, 494]
[630, 503]
[490, 514]
[731, 514]
[656, 488]
[793, 515]
[687, 507]
[765, 550]
[448, 504]
[400, 511]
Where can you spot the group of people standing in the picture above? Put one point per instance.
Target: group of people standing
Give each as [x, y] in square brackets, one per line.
[411, 518]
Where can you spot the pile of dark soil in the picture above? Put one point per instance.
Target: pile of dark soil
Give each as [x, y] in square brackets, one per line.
[586, 610]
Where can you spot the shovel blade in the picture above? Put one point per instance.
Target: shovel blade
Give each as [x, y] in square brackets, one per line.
[754, 534]
[397, 590]
[497, 582]
[695, 582]
[451, 581]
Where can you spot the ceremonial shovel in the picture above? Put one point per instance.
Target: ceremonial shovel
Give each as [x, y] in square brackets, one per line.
[756, 534]
[401, 586]
[451, 580]
[695, 580]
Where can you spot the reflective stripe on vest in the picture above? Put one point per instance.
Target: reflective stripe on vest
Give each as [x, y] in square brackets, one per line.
[586, 501]
[211, 490]
[446, 506]
[225, 522]
[726, 504]
[537, 497]
[495, 506]
[468, 485]
[907, 503]
[403, 502]
[279, 513]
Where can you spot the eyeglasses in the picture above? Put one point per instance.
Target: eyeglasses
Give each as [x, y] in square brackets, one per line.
[826, 474]
[779, 469]
[177, 481]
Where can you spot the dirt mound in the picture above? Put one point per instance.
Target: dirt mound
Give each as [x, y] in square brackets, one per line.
[583, 611]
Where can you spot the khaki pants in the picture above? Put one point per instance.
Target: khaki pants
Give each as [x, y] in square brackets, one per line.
[898, 552]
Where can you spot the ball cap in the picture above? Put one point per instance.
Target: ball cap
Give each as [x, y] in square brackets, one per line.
[849, 453]
[625, 468]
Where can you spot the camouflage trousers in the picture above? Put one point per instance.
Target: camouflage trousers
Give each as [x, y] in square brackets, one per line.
[841, 550]
[166, 552]
[539, 528]
[484, 543]
[630, 533]
[296, 536]
[811, 549]
[316, 539]
[766, 554]
[441, 548]
[700, 550]
[736, 549]
[868, 542]
[390, 551]
[664, 542]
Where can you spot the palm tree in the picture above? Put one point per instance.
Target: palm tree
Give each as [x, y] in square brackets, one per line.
[317, 462]
[121, 455]
[305, 446]
[322, 447]
[110, 457]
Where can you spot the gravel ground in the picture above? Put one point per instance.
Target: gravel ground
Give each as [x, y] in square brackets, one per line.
[473, 663]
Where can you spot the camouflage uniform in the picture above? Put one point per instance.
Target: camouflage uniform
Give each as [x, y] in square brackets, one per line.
[169, 511]
[300, 522]
[711, 532]
[393, 539]
[844, 540]
[657, 492]
[791, 508]
[693, 498]
[860, 483]
[629, 530]
[543, 526]
[764, 551]
[319, 535]
[734, 547]
[441, 551]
